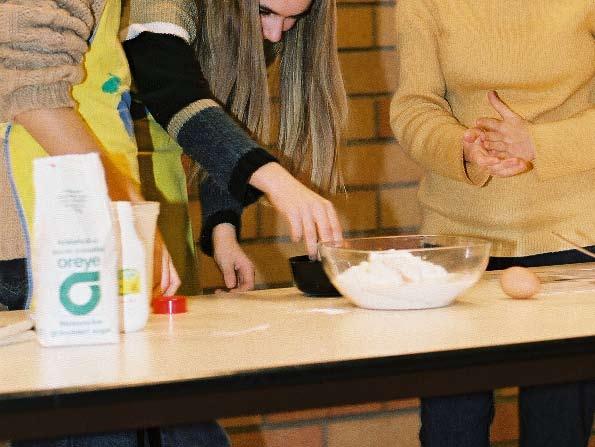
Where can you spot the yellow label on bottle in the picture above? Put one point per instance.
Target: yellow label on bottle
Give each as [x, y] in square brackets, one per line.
[129, 281]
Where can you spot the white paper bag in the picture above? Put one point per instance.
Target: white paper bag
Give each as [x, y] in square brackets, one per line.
[74, 257]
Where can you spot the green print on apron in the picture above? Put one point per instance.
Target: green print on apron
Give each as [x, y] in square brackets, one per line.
[103, 100]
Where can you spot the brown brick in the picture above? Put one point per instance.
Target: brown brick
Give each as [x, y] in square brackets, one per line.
[401, 404]
[249, 222]
[356, 210]
[370, 164]
[248, 439]
[355, 27]
[369, 71]
[361, 119]
[386, 32]
[309, 436]
[361, 409]
[271, 261]
[292, 416]
[210, 276]
[244, 421]
[272, 223]
[507, 392]
[506, 422]
[399, 208]
[397, 430]
[383, 116]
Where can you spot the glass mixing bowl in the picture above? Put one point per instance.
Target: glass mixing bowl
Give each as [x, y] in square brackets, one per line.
[404, 272]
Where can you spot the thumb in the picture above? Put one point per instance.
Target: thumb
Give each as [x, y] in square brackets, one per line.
[502, 109]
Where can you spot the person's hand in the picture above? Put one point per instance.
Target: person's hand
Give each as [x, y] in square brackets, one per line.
[310, 216]
[165, 277]
[474, 152]
[495, 163]
[236, 267]
[509, 137]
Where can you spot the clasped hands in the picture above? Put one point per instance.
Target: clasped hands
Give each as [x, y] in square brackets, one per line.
[503, 147]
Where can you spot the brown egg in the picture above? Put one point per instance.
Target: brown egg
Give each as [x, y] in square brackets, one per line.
[519, 283]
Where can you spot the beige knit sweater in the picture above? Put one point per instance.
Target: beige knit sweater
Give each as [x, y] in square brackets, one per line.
[42, 45]
[540, 57]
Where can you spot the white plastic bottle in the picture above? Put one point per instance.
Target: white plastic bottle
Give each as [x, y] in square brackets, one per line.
[132, 275]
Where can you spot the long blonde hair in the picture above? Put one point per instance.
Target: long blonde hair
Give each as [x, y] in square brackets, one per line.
[313, 104]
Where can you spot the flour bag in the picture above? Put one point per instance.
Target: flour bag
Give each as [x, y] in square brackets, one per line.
[74, 255]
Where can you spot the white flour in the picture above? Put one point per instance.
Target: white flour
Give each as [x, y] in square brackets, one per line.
[399, 280]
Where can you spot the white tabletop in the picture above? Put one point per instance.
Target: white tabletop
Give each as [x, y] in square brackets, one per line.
[223, 335]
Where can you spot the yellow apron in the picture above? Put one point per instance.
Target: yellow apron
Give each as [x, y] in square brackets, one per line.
[103, 100]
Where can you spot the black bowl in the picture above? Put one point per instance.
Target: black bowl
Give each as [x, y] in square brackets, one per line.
[309, 277]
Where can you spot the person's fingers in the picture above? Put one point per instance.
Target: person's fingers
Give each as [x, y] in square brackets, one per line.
[493, 136]
[323, 225]
[310, 236]
[498, 146]
[173, 282]
[174, 279]
[477, 155]
[499, 106]
[295, 226]
[489, 124]
[229, 274]
[245, 273]
[472, 134]
[509, 167]
[334, 222]
[164, 284]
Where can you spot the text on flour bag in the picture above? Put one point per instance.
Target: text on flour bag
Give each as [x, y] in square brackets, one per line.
[74, 255]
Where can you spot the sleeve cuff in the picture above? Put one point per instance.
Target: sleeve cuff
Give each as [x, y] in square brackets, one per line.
[206, 233]
[476, 175]
[239, 187]
[28, 98]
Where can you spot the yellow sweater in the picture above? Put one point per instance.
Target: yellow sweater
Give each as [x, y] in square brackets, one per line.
[539, 55]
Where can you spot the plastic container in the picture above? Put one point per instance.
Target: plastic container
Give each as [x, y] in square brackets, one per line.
[135, 307]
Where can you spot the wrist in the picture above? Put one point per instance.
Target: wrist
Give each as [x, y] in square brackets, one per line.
[224, 231]
[265, 176]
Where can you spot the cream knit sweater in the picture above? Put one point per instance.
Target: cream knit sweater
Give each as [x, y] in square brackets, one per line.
[539, 55]
[42, 45]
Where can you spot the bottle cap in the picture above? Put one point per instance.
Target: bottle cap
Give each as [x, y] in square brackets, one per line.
[175, 304]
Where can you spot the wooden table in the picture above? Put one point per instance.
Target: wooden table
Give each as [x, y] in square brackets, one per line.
[277, 350]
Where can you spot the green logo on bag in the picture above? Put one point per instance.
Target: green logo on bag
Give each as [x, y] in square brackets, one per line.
[76, 278]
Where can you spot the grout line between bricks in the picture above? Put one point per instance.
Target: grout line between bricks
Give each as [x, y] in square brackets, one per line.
[342, 5]
[372, 49]
[370, 95]
[368, 141]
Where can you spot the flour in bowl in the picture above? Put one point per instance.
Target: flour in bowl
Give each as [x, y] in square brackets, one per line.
[396, 279]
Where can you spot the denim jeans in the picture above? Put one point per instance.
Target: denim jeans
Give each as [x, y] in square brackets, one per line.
[13, 295]
[13, 283]
[550, 415]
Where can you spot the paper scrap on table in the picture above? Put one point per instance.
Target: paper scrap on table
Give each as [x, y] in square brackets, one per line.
[259, 328]
[328, 311]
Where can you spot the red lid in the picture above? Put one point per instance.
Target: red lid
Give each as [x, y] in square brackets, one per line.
[169, 304]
